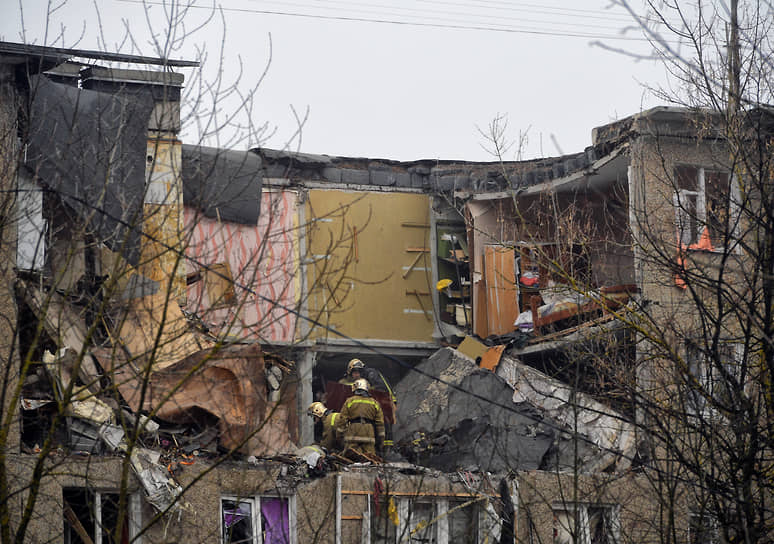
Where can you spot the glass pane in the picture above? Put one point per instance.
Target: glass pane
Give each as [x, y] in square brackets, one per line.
[78, 515]
[421, 516]
[383, 518]
[564, 527]
[110, 519]
[237, 521]
[463, 523]
[687, 177]
[600, 525]
[275, 520]
[687, 227]
[717, 193]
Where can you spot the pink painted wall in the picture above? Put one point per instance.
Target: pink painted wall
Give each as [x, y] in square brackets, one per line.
[263, 261]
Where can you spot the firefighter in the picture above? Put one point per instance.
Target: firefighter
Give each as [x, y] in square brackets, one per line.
[356, 369]
[361, 421]
[331, 439]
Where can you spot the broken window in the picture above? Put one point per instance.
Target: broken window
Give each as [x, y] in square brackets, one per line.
[92, 517]
[426, 520]
[706, 207]
[716, 376]
[257, 520]
[586, 524]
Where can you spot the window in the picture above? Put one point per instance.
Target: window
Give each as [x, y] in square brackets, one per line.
[703, 529]
[586, 524]
[429, 521]
[706, 207]
[257, 520]
[31, 226]
[92, 516]
[717, 376]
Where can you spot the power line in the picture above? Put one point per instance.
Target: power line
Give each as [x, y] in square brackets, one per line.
[413, 12]
[508, 30]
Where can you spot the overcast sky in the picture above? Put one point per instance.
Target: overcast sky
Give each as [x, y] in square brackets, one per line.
[395, 79]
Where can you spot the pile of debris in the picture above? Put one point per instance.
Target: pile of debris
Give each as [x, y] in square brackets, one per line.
[455, 415]
[221, 399]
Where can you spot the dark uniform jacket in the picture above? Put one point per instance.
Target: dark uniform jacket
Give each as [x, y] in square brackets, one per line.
[375, 379]
[361, 422]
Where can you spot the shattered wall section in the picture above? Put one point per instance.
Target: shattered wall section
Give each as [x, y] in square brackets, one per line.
[263, 263]
[230, 384]
[455, 415]
[612, 436]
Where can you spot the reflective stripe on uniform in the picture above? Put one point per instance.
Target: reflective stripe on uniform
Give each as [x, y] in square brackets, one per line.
[333, 418]
[372, 402]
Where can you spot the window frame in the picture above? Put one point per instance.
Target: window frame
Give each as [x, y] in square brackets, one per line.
[713, 528]
[613, 511]
[683, 218]
[705, 373]
[133, 513]
[255, 505]
[441, 506]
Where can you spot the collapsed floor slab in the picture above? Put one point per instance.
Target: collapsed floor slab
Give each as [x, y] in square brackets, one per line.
[455, 415]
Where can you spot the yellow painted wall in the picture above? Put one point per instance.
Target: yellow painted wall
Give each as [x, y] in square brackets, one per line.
[357, 249]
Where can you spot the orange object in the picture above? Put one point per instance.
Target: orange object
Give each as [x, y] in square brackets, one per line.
[704, 241]
[491, 358]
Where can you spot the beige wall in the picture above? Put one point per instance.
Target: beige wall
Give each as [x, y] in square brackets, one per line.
[359, 248]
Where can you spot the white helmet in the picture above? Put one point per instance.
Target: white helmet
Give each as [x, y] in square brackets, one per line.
[361, 383]
[316, 409]
[355, 364]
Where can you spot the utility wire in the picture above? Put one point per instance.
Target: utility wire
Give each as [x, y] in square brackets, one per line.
[477, 27]
[489, 18]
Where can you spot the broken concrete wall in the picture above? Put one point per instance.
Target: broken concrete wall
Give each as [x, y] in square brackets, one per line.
[230, 384]
[517, 419]
[608, 439]
[471, 424]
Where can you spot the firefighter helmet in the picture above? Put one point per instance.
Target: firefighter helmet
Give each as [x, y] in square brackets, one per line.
[316, 409]
[361, 383]
[355, 364]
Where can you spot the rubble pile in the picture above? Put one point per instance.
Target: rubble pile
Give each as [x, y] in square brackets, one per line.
[456, 415]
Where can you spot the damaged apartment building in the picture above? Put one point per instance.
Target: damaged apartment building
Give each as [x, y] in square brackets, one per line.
[172, 309]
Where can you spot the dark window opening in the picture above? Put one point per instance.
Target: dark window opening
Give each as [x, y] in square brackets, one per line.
[91, 516]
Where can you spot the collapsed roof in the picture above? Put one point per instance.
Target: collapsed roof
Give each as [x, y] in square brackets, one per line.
[224, 184]
[89, 148]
